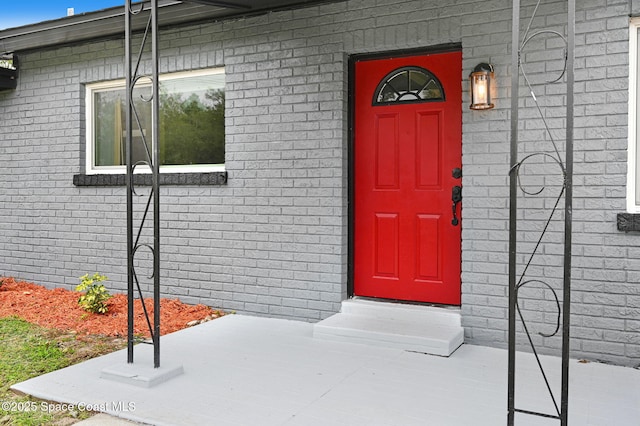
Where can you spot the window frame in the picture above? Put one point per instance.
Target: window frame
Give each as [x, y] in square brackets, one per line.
[633, 203]
[90, 148]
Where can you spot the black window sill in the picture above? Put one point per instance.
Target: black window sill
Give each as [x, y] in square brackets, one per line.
[213, 178]
[628, 222]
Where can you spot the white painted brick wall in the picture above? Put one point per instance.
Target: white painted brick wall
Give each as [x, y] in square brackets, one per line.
[274, 240]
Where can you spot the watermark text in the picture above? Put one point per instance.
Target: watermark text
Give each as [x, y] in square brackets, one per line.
[50, 407]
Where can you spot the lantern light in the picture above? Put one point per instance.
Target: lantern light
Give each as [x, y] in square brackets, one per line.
[481, 80]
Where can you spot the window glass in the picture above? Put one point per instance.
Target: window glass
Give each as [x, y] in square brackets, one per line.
[633, 153]
[110, 128]
[637, 116]
[192, 120]
[408, 84]
[191, 127]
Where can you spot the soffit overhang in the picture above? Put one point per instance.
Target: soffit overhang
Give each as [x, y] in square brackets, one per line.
[109, 23]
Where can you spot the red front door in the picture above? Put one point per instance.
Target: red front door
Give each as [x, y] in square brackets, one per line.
[408, 141]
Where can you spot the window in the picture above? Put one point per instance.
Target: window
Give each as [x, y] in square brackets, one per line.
[8, 71]
[192, 134]
[408, 84]
[633, 151]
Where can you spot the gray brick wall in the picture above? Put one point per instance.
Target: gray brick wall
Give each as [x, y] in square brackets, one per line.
[604, 319]
[273, 241]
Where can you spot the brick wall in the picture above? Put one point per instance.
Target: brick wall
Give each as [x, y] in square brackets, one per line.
[604, 288]
[273, 241]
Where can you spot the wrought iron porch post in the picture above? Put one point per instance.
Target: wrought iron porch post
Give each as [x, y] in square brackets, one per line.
[152, 161]
[566, 166]
[155, 125]
[513, 207]
[129, 162]
[568, 215]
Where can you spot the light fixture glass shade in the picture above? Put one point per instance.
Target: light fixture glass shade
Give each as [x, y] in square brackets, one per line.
[481, 79]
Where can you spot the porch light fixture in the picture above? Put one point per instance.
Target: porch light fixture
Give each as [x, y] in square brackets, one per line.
[481, 81]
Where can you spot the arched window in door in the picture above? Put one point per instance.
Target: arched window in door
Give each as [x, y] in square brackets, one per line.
[410, 85]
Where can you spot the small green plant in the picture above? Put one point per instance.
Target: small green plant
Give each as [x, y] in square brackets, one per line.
[96, 296]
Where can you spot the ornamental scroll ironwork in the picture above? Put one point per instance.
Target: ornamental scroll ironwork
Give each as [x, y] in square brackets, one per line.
[520, 276]
[139, 239]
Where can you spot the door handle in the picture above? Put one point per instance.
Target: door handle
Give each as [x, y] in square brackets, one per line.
[456, 197]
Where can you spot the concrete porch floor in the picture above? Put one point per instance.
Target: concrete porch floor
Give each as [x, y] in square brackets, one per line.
[249, 371]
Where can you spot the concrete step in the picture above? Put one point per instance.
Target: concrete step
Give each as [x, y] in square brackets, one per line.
[400, 311]
[424, 329]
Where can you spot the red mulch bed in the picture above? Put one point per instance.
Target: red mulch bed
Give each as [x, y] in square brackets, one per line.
[58, 308]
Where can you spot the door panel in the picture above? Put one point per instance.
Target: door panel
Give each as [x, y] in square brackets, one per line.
[427, 244]
[387, 167]
[386, 245]
[406, 145]
[428, 150]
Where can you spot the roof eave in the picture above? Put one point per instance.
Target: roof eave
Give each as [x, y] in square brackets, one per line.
[109, 23]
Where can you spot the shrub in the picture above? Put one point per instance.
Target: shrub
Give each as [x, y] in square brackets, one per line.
[96, 296]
